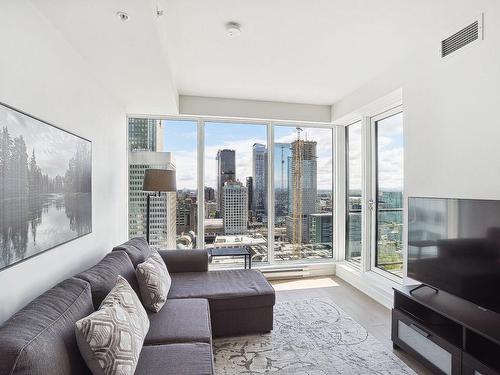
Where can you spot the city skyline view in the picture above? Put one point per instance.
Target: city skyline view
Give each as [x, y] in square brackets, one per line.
[303, 197]
[220, 136]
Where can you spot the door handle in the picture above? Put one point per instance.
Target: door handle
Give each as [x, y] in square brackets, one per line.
[420, 330]
[371, 204]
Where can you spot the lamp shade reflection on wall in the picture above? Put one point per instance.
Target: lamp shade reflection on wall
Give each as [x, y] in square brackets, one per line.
[157, 181]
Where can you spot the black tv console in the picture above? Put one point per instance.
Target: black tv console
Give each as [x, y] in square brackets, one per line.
[446, 333]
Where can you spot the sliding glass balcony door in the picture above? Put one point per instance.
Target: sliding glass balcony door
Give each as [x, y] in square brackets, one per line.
[388, 189]
[374, 194]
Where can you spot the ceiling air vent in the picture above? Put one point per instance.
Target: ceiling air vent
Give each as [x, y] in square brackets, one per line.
[462, 38]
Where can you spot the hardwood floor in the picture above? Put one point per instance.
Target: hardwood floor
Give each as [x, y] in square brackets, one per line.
[374, 317]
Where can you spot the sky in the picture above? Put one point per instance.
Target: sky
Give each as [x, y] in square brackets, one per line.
[53, 147]
[389, 153]
[180, 139]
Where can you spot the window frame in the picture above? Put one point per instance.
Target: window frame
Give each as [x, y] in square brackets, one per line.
[373, 217]
[334, 187]
[356, 265]
[270, 127]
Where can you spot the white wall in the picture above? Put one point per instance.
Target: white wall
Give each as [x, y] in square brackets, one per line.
[451, 112]
[253, 109]
[43, 76]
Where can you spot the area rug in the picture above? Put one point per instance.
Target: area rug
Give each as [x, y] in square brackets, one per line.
[310, 337]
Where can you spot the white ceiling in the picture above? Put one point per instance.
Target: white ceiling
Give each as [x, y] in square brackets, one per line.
[297, 51]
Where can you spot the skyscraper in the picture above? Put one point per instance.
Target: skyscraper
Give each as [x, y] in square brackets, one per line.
[209, 194]
[320, 228]
[145, 134]
[303, 176]
[249, 184]
[259, 174]
[186, 213]
[226, 171]
[235, 207]
[163, 209]
[282, 155]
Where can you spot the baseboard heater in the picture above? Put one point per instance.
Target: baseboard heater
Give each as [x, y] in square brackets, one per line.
[286, 273]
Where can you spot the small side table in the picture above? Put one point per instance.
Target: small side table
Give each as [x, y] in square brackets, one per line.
[232, 252]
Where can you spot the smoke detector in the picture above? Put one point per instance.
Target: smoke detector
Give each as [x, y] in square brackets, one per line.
[123, 16]
[233, 29]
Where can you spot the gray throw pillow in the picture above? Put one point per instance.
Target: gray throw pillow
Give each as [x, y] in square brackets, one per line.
[154, 282]
[110, 339]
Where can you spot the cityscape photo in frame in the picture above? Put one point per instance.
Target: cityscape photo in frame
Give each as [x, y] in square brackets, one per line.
[45, 186]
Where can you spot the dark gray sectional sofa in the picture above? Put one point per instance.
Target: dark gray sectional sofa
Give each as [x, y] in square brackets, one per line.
[201, 304]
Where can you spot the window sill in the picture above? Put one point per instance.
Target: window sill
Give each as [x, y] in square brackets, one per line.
[371, 283]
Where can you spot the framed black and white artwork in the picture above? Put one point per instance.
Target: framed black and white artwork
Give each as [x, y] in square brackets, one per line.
[45, 186]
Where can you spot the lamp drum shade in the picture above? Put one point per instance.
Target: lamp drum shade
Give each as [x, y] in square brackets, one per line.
[159, 180]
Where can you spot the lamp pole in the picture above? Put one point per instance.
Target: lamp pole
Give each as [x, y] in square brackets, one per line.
[148, 202]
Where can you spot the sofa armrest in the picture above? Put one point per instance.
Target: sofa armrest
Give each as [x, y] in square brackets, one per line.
[185, 260]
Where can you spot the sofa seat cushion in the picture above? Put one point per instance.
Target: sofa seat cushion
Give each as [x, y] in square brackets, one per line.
[136, 248]
[180, 320]
[40, 338]
[102, 277]
[225, 289]
[176, 359]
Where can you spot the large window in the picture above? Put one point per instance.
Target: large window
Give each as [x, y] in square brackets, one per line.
[267, 187]
[164, 144]
[389, 192]
[236, 182]
[303, 200]
[354, 192]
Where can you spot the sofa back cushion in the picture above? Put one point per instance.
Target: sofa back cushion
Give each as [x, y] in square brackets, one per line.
[137, 249]
[102, 277]
[40, 338]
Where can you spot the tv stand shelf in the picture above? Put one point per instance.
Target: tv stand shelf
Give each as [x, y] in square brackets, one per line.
[448, 334]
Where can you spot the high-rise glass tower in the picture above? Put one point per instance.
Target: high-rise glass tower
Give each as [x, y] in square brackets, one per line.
[226, 171]
[249, 183]
[282, 154]
[320, 228]
[162, 221]
[235, 208]
[259, 174]
[145, 134]
[303, 177]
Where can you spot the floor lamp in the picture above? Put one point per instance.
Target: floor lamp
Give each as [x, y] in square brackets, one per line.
[157, 181]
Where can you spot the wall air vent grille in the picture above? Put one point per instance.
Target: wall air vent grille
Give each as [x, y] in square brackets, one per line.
[461, 38]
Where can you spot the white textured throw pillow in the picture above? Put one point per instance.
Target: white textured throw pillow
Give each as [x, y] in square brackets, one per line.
[154, 282]
[123, 294]
[110, 339]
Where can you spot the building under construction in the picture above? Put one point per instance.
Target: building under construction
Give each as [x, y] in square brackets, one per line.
[303, 174]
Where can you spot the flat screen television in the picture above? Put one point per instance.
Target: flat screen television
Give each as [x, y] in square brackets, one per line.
[454, 245]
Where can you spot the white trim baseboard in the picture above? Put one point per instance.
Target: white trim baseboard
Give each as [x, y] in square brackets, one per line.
[372, 284]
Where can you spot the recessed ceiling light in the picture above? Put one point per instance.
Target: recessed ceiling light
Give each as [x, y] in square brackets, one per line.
[233, 29]
[123, 16]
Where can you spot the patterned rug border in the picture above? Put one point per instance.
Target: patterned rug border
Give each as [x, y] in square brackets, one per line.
[312, 336]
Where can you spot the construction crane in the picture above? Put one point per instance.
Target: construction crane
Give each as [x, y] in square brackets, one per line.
[297, 174]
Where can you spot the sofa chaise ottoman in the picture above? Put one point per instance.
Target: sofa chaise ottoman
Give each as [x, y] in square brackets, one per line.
[241, 301]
